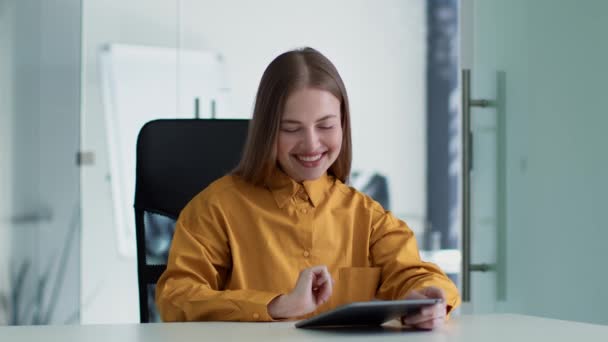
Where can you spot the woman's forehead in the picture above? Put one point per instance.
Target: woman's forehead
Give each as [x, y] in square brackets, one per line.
[311, 104]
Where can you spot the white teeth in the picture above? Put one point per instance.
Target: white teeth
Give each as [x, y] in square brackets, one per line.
[310, 158]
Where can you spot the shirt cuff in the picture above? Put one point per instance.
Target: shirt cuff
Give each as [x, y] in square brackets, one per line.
[254, 307]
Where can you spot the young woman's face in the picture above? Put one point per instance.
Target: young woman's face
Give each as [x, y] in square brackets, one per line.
[310, 135]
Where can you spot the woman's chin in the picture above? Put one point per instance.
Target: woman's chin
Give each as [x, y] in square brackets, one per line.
[309, 176]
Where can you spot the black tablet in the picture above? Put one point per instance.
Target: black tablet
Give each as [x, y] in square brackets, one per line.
[366, 313]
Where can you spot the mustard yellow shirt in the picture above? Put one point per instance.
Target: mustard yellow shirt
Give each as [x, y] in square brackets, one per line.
[238, 246]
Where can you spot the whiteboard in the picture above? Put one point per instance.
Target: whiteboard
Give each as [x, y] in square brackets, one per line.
[144, 83]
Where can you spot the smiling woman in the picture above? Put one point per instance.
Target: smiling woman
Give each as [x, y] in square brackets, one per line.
[303, 121]
[274, 239]
[309, 141]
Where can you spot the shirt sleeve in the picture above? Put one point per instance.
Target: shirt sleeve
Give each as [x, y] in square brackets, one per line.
[393, 247]
[192, 286]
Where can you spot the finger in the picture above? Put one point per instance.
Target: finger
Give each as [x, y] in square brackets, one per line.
[308, 275]
[317, 273]
[318, 269]
[415, 294]
[421, 320]
[425, 293]
[325, 287]
[426, 314]
[321, 279]
[438, 310]
[433, 292]
[430, 325]
[321, 276]
[324, 293]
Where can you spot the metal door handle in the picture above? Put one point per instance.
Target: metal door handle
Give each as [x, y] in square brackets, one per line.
[467, 166]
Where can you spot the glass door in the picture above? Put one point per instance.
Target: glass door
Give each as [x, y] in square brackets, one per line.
[537, 186]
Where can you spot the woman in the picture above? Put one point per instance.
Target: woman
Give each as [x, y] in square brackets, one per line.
[282, 236]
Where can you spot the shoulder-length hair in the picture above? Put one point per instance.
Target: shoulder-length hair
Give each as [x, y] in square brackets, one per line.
[287, 73]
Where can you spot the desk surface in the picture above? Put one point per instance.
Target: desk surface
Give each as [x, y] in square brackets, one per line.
[468, 328]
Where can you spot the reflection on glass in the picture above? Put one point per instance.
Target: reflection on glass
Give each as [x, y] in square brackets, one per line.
[158, 235]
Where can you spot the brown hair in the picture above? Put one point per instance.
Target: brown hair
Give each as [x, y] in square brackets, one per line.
[291, 71]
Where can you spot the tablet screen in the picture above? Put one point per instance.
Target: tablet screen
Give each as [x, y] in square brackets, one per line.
[366, 313]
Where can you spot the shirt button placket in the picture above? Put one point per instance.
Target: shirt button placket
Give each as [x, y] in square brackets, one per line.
[305, 209]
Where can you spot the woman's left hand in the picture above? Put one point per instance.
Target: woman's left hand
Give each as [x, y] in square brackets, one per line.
[429, 317]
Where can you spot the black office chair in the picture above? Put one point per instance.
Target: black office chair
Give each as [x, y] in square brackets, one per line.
[176, 159]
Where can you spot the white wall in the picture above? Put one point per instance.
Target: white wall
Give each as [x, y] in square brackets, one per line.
[379, 48]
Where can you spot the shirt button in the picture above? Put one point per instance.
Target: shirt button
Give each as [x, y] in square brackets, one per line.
[303, 210]
[256, 315]
[306, 254]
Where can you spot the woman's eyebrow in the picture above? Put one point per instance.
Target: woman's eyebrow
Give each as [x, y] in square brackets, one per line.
[291, 121]
[326, 117]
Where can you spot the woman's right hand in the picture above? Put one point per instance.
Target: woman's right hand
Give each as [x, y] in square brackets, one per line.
[313, 288]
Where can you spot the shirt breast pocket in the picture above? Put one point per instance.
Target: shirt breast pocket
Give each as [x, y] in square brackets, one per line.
[357, 284]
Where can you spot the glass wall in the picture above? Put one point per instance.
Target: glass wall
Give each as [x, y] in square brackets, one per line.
[39, 176]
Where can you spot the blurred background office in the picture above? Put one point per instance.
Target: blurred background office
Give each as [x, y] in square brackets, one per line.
[78, 78]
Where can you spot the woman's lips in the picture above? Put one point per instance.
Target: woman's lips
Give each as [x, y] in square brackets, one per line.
[310, 160]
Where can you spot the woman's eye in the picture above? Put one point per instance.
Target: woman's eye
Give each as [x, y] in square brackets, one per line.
[289, 129]
[327, 127]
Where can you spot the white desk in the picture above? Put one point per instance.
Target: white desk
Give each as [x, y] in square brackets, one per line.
[495, 328]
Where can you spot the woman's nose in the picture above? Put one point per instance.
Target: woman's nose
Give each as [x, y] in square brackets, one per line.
[310, 140]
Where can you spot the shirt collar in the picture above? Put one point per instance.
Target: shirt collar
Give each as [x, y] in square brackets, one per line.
[283, 187]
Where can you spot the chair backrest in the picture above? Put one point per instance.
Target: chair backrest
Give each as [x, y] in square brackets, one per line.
[176, 159]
